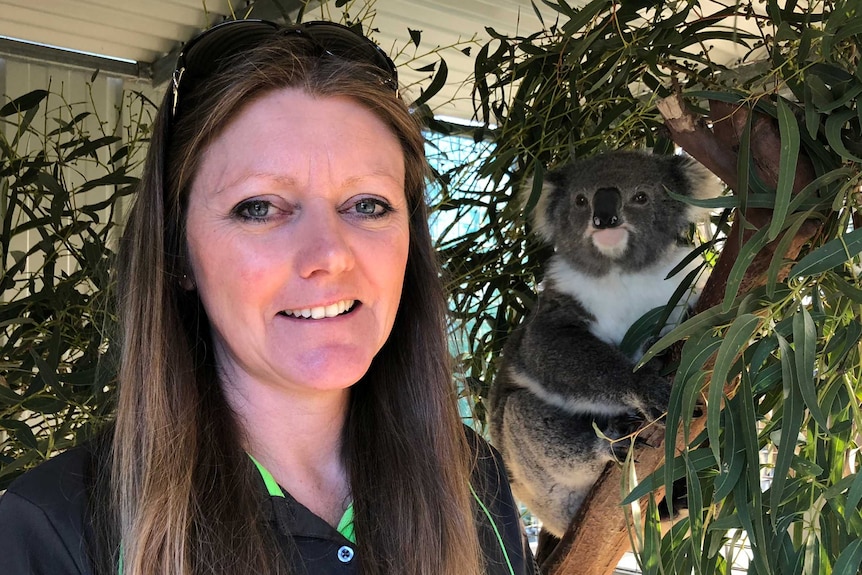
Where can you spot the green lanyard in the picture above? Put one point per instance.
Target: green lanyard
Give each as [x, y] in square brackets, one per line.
[345, 526]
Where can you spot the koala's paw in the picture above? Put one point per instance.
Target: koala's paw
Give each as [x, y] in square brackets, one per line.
[658, 398]
[623, 430]
[653, 399]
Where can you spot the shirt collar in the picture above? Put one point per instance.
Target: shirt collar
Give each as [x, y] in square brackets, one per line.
[295, 519]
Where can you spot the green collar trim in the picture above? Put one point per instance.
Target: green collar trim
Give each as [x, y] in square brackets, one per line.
[345, 526]
[272, 485]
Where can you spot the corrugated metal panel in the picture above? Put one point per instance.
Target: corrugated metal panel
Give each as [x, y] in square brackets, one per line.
[72, 91]
[127, 29]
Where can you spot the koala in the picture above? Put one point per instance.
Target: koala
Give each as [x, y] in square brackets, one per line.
[616, 234]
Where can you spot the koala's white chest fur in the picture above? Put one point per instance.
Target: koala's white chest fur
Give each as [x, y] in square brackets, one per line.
[619, 298]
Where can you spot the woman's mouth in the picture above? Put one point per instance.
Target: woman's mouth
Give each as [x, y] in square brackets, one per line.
[321, 312]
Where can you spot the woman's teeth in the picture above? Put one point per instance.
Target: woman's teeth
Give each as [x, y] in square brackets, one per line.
[321, 312]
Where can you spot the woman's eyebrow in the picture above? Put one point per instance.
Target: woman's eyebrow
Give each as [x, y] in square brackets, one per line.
[288, 182]
[280, 180]
[374, 174]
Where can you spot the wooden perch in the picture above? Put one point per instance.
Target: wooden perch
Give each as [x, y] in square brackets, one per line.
[598, 536]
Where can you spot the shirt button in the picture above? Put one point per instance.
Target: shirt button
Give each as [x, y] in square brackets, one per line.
[345, 554]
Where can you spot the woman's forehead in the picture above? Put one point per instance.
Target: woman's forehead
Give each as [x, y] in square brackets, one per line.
[292, 137]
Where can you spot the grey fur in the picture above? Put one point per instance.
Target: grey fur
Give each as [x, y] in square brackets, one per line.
[561, 370]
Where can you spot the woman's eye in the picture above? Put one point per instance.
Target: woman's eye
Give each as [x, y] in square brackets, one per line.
[370, 207]
[254, 209]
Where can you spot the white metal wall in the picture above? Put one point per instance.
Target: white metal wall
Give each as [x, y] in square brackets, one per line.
[103, 96]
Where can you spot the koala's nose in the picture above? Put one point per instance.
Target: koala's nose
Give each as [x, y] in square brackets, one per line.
[606, 208]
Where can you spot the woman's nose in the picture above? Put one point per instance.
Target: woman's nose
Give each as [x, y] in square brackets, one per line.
[323, 244]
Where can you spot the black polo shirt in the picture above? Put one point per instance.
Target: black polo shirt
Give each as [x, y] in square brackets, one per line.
[44, 525]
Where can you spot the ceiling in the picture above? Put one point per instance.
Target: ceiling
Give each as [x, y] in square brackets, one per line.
[145, 35]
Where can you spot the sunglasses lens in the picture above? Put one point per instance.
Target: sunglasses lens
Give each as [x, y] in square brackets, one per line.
[205, 52]
[343, 42]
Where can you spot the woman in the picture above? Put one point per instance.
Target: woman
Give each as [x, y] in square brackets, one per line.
[285, 400]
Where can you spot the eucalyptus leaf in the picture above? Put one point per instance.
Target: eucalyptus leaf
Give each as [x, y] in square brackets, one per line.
[692, 326]
[848, 290]
[743, 167]
[24, 125]
[415, 36]
[850, 559]
[791, 423]
[90, 147]
[854, 496]
[537, 12]
[833, 128]
[9, 397]
[686, 388]
[831, 254]
[21, 430]
[778, 263]
[25, 103]
[735, 341]
[747, 492]
[699, 459]
[45, 405]
[733, 463]
[8, 472]
[805, 344]
[789, 131]
[435, 86]
[641, 331]
[746, 255]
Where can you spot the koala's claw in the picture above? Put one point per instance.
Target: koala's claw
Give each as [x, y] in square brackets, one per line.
[641, 442]
[620, 449]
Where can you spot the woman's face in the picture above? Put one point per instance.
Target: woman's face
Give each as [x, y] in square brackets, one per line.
[298, 231]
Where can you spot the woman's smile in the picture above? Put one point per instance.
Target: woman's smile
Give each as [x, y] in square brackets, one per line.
[322, 312]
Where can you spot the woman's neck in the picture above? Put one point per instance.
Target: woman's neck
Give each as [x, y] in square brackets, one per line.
[298, 439]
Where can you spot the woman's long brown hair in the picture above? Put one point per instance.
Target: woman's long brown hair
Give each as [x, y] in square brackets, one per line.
[184, 496]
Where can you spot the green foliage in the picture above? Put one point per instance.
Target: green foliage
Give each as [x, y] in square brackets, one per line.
[63, 175]
[787, 355]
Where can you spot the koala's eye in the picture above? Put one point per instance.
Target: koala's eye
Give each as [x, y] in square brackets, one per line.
[640, 198]
[581, 200]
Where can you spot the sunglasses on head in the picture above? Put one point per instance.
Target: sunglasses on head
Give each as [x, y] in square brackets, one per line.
[202, 55]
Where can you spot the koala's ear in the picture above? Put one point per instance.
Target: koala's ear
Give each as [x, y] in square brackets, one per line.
[534, 198]
[701, 184]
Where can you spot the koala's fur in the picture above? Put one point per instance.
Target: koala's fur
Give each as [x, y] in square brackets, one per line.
[616, 234]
